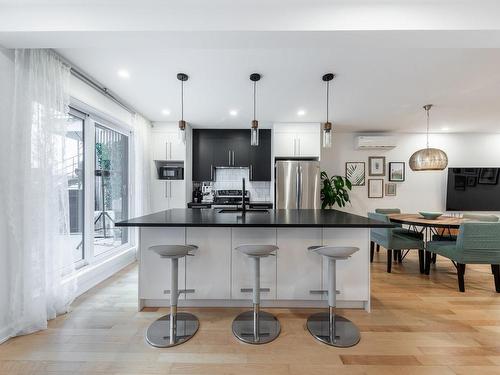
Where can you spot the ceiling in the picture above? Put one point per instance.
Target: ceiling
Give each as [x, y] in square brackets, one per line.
[389, 61]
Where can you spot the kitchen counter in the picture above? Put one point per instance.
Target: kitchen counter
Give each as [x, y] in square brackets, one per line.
[253, 204]
[271, 218]
[220, 275]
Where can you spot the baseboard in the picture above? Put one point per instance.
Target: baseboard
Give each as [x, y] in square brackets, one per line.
[248, 303]
[90, 276]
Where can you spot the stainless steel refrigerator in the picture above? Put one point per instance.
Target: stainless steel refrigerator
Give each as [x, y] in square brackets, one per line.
[297, 184]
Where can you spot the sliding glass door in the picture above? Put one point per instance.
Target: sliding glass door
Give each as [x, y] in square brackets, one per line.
[96, 163]
[74, 153]
[111, 188]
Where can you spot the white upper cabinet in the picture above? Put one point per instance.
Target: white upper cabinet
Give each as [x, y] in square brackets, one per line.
[166, 146]
[297, 140]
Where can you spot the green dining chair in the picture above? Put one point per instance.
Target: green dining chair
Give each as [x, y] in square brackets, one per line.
[387, 211]
[477, 243]
[443, 236]
[395, 239]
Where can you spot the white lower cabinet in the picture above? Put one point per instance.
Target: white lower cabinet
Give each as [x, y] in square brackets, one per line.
[299, 270]
[154, 277]
[242, 268]
[209, 270]
[353, 274]
[167, 194]
[218, 272]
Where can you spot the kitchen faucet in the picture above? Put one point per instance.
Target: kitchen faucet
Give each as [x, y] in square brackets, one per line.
[243, 208]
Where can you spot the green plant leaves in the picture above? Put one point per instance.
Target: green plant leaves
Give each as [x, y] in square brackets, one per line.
[334, 191]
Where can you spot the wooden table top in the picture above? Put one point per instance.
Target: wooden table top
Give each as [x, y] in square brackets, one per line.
[417, 219]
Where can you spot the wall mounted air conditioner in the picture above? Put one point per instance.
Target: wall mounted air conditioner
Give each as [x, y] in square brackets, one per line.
[375, 142]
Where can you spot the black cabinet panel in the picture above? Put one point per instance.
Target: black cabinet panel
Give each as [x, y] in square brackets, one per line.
[260, 158]
[230, 148]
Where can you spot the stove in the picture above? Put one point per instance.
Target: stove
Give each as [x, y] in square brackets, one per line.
[230, 197]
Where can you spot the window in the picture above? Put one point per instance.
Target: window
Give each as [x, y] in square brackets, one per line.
[96, 163]
[73, 168]
[111, 185]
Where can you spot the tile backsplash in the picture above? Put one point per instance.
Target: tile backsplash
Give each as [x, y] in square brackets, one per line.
[230, 178]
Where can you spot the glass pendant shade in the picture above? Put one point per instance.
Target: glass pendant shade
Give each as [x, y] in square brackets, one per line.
[429, 159]
[254, 133]
[327, 135]
[182, 131]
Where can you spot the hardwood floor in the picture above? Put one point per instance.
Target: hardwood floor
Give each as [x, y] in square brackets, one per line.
[419, 325]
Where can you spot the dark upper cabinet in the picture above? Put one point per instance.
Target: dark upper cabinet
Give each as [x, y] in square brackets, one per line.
[260, 157]
[230, 148]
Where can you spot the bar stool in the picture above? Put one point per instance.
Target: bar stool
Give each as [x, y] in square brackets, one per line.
[328, 327]
[256, 327]
[174, 328]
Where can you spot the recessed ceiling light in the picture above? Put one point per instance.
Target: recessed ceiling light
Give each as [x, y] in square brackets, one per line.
[301, 112]
[233, 112]
[165, 112]
[445, 129]
[122, 73]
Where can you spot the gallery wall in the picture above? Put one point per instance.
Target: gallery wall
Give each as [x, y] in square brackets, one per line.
[420, 190]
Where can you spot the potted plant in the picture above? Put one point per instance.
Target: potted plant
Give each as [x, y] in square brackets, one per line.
[334, 191]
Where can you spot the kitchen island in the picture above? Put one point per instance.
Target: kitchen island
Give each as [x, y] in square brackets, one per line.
[221, 276]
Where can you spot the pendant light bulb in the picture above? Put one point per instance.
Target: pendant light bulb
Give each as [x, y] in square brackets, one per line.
[327, 126]
[428, 159]
[182, 124]
[254, 131]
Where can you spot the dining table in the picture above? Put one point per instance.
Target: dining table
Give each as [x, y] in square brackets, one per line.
[443, 226]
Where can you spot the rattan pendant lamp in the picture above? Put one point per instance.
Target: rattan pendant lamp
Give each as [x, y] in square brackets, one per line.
[428, 159]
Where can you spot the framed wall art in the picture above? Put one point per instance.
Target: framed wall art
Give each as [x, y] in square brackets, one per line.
[375, 188]
[397, 171]
[390, 189]
[355, 172]
[376, 166]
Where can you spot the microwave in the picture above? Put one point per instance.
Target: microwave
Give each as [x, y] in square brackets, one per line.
[171, 172]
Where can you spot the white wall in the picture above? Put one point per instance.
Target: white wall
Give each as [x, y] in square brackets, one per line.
[6, 93]
[91, 97]
[421, 190]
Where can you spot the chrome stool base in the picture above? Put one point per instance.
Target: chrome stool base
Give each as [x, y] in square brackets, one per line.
[341, 332]
[161, 335]
[265, 328]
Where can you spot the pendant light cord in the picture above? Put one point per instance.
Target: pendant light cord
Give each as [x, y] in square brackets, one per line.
[427, 110]
[327, 98]
[182, 100]
[254, 94]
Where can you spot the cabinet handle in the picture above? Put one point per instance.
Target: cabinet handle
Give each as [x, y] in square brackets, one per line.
[298, 147]
[295, 147]
[166, 150]
[233, 158]
[229, 156]
[211, 172]
[251, 172]
[170, 148]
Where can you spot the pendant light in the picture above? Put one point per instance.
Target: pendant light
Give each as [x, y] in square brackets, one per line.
[327, 126]
[428, 159]
[183, 77]
[254, 132]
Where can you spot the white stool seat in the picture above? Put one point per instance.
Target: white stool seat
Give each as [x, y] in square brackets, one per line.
[257, 250]
[173, 251]
[336, 252]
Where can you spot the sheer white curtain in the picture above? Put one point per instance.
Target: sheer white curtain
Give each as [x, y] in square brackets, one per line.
[34, 189]
[142, 164]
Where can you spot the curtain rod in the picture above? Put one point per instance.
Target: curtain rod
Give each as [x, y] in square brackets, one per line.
[86, 78]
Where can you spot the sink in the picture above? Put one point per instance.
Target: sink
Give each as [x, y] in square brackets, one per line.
[236, 210]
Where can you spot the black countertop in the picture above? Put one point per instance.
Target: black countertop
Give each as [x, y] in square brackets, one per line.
[273, 218]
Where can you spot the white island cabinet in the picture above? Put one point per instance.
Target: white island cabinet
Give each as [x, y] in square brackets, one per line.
[219, 275]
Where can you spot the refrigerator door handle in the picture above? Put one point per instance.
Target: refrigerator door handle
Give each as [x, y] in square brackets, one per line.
[299, 186]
